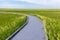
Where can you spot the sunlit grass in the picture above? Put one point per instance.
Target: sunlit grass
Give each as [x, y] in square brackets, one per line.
[52, 27]
[9, 23]
[50, 18]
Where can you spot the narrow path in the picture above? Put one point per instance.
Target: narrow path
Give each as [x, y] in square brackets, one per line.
[34, 30]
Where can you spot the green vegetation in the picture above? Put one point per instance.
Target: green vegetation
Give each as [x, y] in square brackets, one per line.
[9, 23]
[52, 27]
[50, 18]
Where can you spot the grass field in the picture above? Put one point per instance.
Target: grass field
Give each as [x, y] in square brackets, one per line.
[9, 23]
[52, 27]
[50, 18]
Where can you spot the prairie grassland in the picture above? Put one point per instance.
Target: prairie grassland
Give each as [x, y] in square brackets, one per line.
[50, 18]
[9, 23]
[52, 27]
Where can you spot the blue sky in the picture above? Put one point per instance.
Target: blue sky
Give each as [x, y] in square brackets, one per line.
[29, 3]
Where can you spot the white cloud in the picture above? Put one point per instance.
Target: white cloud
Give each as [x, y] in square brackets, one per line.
[8, 4]
[43, 2]
[47, 3]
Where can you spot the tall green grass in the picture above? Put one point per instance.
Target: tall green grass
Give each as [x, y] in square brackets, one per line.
[9, 23]
[50, 18]
[52, 27]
